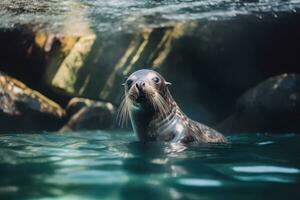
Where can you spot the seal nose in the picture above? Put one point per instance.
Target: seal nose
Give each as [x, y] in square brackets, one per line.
[140, 85]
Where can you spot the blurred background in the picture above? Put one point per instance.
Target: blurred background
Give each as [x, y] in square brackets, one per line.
[233, 64]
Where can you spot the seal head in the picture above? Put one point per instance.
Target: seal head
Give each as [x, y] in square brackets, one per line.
[154, 114]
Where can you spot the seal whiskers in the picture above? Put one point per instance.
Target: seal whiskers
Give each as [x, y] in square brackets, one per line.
[160, 104]
[123, 111]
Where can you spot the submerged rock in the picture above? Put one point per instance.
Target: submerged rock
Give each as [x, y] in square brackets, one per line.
[273, 105]
[86, 114]
[23, 109]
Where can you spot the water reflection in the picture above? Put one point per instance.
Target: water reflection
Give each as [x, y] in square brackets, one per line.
[267, 178]
[128, 15]
[154, 158]
[99, 165]
[266, 169]
[200, 182]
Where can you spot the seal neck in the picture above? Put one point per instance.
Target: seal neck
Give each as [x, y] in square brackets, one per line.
[147, 122]
[140, 119]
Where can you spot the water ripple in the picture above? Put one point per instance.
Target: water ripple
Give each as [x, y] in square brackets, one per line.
[266, 169]
[266, 178]
[200, 182]
[106, 165]
[130, 15]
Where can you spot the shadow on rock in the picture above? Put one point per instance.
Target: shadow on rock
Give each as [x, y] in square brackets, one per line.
[273, 105]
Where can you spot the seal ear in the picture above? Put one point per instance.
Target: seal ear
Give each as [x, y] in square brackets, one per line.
[168, 83]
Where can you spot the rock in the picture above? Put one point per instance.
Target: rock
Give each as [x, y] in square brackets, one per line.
[64, 63]
[272, 106]
[86, 114]
[23, 109]
[41, 56]
[104, 60]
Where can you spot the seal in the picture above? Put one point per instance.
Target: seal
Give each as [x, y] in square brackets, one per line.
[154, 114]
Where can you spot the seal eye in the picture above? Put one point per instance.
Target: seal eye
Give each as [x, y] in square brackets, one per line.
[156, 79]
[129, 83]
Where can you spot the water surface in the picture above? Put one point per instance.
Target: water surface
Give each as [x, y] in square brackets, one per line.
[113, 165]
[131, 15]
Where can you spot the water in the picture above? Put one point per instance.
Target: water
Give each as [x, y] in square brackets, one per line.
[130, 15]
[113, 165]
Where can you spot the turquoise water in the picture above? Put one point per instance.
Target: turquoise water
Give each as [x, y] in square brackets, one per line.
[113, 165]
